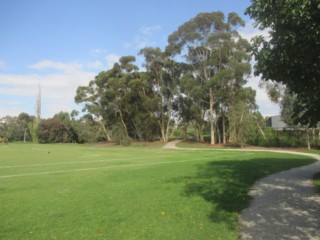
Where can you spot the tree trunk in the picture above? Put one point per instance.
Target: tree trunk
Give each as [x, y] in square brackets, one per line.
[241, 135]
[138, 132]
[199, 132]
[219, 135]
[224, 129]
[308, 139]
[211, 117]
[24, 134]
[168, 118]
[105, 131]
[123, 123]
[163, 133]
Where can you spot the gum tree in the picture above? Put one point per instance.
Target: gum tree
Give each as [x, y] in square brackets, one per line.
[207, 43]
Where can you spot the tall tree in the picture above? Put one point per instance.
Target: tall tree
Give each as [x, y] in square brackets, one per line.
[242, 116]
[122, 99]
[206, 42]
[163, 74]
[192, 104]
[292, 53]
[25, 119]
[106, 96]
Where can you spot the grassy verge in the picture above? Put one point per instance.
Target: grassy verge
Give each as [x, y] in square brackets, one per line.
[316, 180]
[190, 144]
[314, 151]
[86, 192]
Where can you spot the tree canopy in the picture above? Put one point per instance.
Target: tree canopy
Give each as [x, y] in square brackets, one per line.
[194, 87]
[205, 89]
[292, 54]
[217, 55]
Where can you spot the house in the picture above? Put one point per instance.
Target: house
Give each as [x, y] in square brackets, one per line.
[276, 122]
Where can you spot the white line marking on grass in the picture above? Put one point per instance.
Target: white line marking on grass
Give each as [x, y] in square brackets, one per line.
[76, 162]
[119, 166]
[84, 162]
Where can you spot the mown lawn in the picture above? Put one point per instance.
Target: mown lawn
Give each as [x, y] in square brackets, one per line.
[138, 192]
[316, 180]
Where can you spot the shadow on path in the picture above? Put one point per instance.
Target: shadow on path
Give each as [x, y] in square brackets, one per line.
[286, 206]
[225, 184]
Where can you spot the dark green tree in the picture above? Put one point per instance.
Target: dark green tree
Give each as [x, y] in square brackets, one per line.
[53, 130]
[292, 53]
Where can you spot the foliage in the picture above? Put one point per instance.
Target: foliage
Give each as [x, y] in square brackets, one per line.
[202, 95]
[137, 103]
[196, 93]
[128, 193]
[33, 129]
[16, 128]
[88, 130]
[291, 55]
[243, 124]
[55, 130]
[163, 74]
[219, 59]
[291, 137]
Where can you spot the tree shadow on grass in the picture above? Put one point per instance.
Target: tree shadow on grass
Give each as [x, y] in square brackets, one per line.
[225, 184]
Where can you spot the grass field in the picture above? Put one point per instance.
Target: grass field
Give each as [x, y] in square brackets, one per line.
[317, 180]
[138, 192]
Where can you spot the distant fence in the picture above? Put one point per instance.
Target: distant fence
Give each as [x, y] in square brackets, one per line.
[288, 137]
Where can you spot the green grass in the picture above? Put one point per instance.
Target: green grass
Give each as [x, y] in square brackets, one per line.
[316, 180]
[86, 192]
[313, 151]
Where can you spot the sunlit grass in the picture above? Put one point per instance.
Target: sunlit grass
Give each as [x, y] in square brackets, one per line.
[138, 192]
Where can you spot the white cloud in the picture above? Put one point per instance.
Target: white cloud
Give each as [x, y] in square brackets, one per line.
[143, 38]
[11, 111]
[66, 67]
[142, 42]
[98, 51]
[58, 88]
[111, 60]
[94, 65]
[149, 30]
[45, 64]
[254, 83]
[266, 107]
[250, 31]
[10, 102]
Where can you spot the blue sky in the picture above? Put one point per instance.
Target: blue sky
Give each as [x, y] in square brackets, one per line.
[63, 44]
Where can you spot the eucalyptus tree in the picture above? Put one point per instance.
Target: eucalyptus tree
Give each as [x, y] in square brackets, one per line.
[207, 43]
[163, 75]
[192, 107]
[105, 97]
[25, 119]
[230, 80]
[92, 97]
[243, 117]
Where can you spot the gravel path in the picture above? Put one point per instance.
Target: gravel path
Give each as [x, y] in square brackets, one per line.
[285, 205]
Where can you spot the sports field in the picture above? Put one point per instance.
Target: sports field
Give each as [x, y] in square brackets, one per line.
[138, 192]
